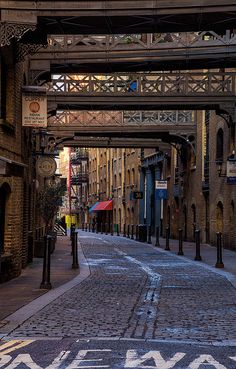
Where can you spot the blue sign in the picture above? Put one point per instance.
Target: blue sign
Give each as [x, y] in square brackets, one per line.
[161, 189]
[161, 194]
[231, 171]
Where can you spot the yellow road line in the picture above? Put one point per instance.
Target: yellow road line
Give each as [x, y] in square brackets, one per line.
[13, 345]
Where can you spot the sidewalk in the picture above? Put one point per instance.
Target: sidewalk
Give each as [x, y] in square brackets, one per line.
[25, 288]
[208, 254]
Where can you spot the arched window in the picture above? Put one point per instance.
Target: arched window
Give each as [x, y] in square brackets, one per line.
[133, 176]
[220, 146]
[128, 179]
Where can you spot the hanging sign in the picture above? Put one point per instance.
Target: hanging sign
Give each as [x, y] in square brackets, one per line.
[46, 166]
[231, 171]
[34, 107]
[161, 189]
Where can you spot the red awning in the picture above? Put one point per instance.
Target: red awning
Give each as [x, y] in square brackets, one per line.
[103, 205]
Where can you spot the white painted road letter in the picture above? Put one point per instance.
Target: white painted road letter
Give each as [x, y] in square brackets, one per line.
[133, 360]
[206, 359]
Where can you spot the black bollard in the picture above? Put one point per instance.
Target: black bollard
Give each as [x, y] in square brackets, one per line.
[75, 264]
[96, 227]
[128, 229]
[219, 262]
[118, 233]
[111, 230]
[106, 228]
[137, 233]
[157, 236]
[86, 227]
[72, 230]
[46, 284]
[93, 227]
[132, 231]
[101, 227]
[124, 230]
[198, 250]
[82, 226]
[180, 252]
[89, 227]
[149, 240]
[167, 248]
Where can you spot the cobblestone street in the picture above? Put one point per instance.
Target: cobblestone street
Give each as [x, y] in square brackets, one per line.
[137, 291]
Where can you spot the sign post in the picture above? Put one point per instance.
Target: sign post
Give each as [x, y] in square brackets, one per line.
[161, 189]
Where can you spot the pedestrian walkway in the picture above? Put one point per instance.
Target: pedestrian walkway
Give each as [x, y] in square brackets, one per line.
[208, 253]
[136, 291]
[25, 288]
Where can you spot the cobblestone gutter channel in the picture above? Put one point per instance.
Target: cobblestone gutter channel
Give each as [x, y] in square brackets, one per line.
[135, 291]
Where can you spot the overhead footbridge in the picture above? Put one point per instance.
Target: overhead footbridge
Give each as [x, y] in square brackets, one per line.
[103, 53]
[144, 91]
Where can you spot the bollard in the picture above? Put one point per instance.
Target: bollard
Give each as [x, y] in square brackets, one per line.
[124, 230]
[96, 227]
[118, 233]
[82, 226]
[137, 235]
[75, 264]
[89, 226]
[72, 230]
[149, 240]
[219, 262]
[128, 228]
[180, 252]
[46, 284]
[93, 227]
[106, 228]
[101, 228]
[157, 236]
[197, 240]
[167, 248]
[86, 227]
[132, 232]
[111, 229]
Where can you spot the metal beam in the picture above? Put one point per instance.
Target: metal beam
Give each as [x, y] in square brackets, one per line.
[126, 16]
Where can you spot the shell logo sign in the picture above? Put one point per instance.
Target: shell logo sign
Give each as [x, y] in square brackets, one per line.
[34, 109]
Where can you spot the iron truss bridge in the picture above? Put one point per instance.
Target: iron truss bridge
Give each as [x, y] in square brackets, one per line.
[144, 91]
[121, 129]
[19, 18]
[165, 51]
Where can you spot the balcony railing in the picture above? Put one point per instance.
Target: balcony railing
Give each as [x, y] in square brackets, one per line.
[77, 179]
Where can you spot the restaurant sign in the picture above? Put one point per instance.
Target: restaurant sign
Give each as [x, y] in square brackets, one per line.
[34, 107]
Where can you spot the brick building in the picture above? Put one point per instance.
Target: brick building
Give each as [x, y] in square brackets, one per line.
[17, 181]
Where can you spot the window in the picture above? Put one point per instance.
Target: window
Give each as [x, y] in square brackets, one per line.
[219, 146]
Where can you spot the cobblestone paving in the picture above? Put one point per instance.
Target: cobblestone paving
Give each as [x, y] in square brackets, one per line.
[135, 291]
